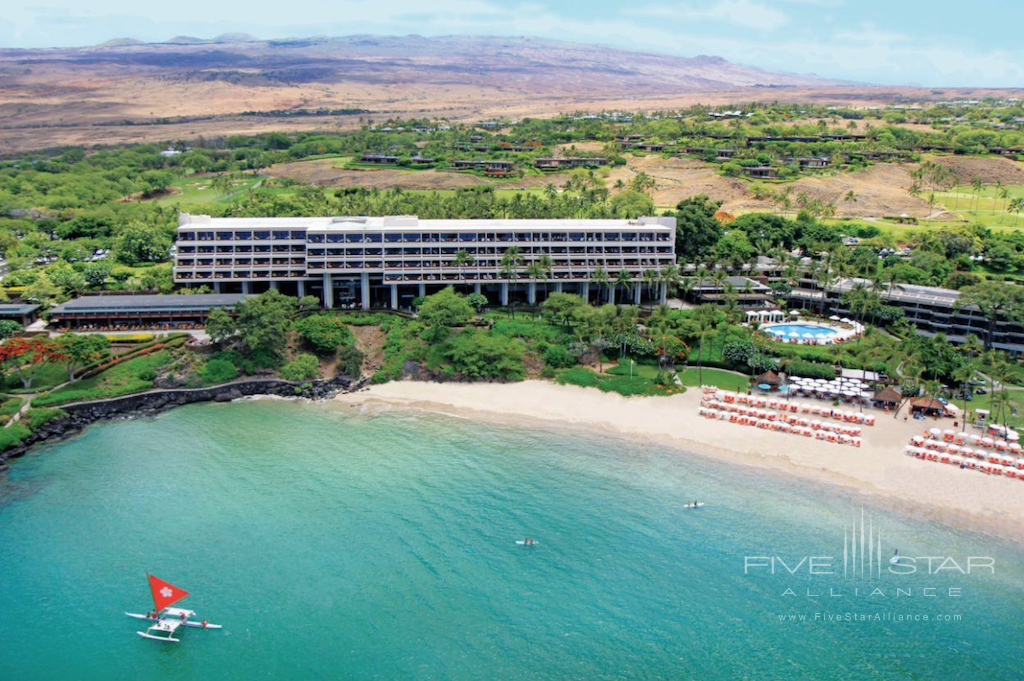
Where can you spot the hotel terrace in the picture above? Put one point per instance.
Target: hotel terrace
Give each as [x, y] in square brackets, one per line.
[388, 261]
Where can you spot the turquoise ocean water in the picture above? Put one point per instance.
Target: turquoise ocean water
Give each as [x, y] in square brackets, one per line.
[337, 545]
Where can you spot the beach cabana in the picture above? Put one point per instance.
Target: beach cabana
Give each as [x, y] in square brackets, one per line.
[887, 397]
[928, 406]
[769, 378]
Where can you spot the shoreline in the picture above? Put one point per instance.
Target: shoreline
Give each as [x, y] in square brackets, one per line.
[879, 469]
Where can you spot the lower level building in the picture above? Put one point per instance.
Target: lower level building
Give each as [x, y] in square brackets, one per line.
[102, 312]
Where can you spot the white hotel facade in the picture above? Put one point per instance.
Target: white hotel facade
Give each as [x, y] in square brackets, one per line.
[388, 261]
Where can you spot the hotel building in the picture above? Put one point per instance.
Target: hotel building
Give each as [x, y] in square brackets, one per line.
[388, 261]
[931, 309]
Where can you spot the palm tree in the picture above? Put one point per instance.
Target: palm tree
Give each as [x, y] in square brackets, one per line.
[649, 278]
[963, 375]
[599, 277]
[535, 271]
[624, 280]
[462, 260]
[670, 280]
[705, 319]
[511, 260]
[977, 185]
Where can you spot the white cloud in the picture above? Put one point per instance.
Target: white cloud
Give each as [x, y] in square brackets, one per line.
[743, 13]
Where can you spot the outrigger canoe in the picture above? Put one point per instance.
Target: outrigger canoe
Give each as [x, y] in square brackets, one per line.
[167, 620]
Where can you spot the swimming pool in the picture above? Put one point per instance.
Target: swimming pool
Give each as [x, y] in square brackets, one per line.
[792, 331]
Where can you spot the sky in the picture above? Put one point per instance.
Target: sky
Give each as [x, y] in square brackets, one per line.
[908, 42]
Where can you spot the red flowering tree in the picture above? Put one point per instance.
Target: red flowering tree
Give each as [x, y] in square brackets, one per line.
[25, 356]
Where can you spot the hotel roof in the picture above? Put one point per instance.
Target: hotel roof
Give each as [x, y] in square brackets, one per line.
[146, 303]
[412, 223]
[17, 308]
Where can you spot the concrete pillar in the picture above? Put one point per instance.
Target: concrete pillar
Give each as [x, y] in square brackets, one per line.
[302, 287]
[611, 295]
[273, 284]
[364, 290]
[531, 293]
[663, 298]
[504, 294]
[476, 287]
[394, 296]
[423, 290]
[328, 291]
[558, 287]
[247, 287]
[216, 287]
[636, 292]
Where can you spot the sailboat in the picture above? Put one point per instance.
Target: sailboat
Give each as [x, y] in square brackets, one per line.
[167, 620]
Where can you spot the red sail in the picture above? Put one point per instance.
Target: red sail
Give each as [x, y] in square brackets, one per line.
[164, 593]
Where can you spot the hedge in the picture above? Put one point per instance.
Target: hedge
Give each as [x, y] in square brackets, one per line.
[129, 337]
[13, 435]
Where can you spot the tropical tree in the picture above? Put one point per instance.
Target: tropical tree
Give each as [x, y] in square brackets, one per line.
[600, 277]
[994, 299]
[26, 356]
[624, 280]
[80, 350]
[704, 328]
[463, 259]
[511, 261]
[443, 310]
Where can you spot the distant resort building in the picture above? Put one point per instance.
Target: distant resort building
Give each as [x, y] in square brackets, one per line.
[931, 309]
[488, 166]
[132, 311]
[558, 163]
[388, 261]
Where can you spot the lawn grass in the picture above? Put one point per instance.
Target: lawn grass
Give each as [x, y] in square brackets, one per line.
[199, 191]
[9, 407]
[48, 376]
[134, 375]
[985, 402]
[726, 380]
[642, 382]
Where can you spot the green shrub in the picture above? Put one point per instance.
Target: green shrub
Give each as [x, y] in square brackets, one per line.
[303, 368]
[10, 407]
[37, 417]
[324, 332]
[13, 435]
[219, 370]
[559, 357]
[801, 367]
[479, 355]
[350, 361]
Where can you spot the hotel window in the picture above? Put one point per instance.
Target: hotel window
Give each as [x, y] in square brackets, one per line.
[281, 234]
[298, 234]
[225, 236]
[315, 238]
[243, 236]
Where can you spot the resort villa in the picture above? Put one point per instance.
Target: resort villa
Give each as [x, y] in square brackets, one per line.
[388, 261]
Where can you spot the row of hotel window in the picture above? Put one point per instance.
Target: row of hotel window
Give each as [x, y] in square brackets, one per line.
[391, 277]
[418, 251]
[434, 237]
[613, 263]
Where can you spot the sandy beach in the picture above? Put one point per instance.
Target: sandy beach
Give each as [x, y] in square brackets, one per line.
[993, 505]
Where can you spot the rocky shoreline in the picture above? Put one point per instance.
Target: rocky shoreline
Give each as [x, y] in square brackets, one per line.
[82, 414]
